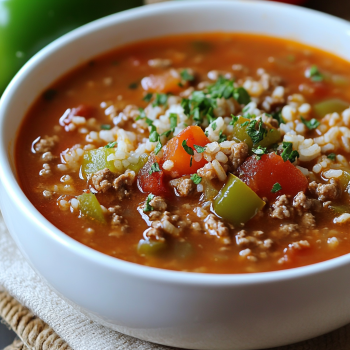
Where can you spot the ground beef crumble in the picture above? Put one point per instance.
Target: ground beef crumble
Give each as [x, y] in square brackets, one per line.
[214, 226]
[325, 192]
[281, 208]
[183, 186]
[239, 154]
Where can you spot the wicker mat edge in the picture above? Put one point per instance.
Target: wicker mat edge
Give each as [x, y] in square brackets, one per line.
[34, 334]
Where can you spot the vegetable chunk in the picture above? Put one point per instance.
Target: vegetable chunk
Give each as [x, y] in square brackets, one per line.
[262, 175]
[179, 152]
[236, 202]
[91, 208]
[96, 160]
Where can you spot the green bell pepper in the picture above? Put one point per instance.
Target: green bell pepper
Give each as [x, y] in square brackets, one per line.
[150, 248]
[96, 160]
[91, 208]
[26, 26]
[236, 202]
[330, 106]
[240, 134]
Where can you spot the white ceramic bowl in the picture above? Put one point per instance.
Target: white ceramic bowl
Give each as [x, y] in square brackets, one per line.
[195, 311]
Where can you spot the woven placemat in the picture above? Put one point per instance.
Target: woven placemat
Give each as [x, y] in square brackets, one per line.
[34, 334]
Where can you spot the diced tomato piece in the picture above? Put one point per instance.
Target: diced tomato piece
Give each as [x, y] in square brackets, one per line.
[151, 183]
[261, 175]
[169, 81]
[175, 152]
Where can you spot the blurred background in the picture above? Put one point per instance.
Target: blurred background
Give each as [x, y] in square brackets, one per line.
[28, 25]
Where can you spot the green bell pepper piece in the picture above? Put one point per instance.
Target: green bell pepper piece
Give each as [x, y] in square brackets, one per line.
[91, 208]
[240, 135]
[330, 106]
[142, 161]
[149, 248]
[236, 202]
[344, 180]
[26, 26]
[96, 159]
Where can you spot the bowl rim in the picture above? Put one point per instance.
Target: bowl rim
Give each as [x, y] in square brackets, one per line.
[23, 204]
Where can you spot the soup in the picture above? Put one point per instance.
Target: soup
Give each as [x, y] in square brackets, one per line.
[213, 153]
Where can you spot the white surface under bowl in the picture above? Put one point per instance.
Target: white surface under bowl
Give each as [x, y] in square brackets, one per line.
[194, 311]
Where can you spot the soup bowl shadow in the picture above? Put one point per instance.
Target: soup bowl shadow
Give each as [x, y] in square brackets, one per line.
[188, 310]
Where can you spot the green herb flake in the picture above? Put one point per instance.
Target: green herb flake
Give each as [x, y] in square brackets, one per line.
[222, 137]
[188, 149]
[199, 149]
[213, 125]
[196, 179]
[154, 168]
[160, 100]
[142, 114]
[331, 156]
[278, 116]
[106, 127]
[276, 187]
[173, 120]
[111, 144]
[191, 160]
[315, 74]
[258, 134]
[133, 86]
[241, 95]
[245, 123]
[148, 97]
[154, 136]
[166, 133]
[288, 153]
[147, 206]
[259, 151]
[234, 120]
[310, 124]
[158, 147]
[186, 76]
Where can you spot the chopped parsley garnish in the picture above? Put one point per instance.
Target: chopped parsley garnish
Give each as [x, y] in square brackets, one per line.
[241, 96]
[223, 88]
[331, 156]
[310, 124]
[173, 121]
[161, 99]
[213, 126]
[188, 149]
[158, 147]
[133, 86]
[276, 187]
[111, 144]
[148, 97]
[234, 120]
[222, 137]
[154, 168]
[154, 136]
[278, 117]
[186, 105]
[186, 76]
[288, 153]
[258, 134]
[315, 74]
[199, 149]
[142, 114]
[245, 123]
[106, 127]
[196, 179]
[259, 152]
[147, 206]
[166, 133]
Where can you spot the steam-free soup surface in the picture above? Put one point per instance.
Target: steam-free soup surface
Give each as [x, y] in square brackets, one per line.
[214, 153]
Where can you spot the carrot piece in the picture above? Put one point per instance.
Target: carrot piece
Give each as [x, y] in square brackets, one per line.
[175, 152]
[261, 175]
[169, 81]
[154, 182]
